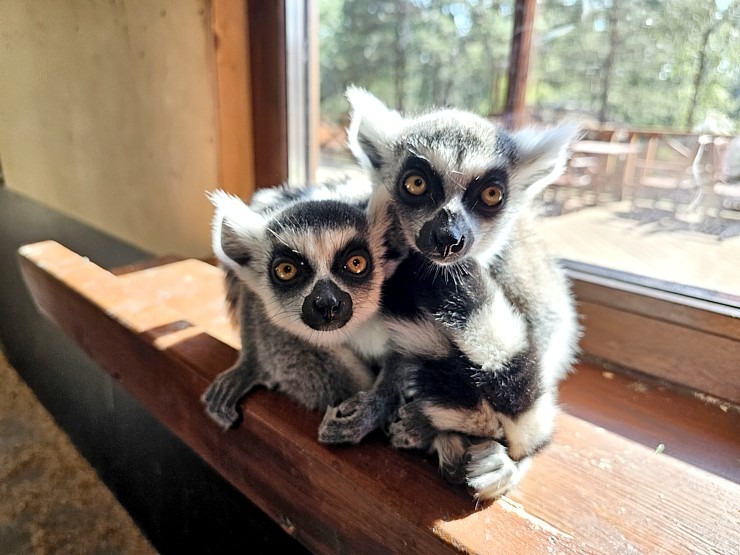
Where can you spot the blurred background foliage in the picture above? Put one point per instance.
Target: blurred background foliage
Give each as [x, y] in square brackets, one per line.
[670, 64]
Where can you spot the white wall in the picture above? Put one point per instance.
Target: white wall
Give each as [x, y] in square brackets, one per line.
[108, 113]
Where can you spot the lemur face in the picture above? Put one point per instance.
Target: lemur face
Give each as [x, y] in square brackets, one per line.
[449, 185]
[457, 182]
[319, 260]
[313, 264]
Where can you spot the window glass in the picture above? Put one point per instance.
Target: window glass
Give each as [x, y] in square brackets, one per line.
[653, 189]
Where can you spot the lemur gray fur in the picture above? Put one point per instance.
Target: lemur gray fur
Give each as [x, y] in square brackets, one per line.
[481, 317]
[303, 271]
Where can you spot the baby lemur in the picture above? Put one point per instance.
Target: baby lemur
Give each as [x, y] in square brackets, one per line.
[482, 322]
[303, 272]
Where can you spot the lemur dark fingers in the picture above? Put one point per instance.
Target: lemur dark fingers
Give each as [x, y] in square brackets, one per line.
[491, 472]
[411, 429]
[222, 396]
[453, 456]
[353, 419]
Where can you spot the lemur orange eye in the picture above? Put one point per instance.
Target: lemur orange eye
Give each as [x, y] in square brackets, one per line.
[356, 264]
[492, 196]
[286, 271]
[415, 184]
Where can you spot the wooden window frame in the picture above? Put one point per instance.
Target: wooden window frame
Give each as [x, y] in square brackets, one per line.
[631, 323]
[250, 63]
[639, 324]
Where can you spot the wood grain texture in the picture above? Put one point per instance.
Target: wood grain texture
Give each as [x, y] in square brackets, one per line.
[233, 77]
[635, 323]
[592, 491]
[648, 411]
[702, 361]
[659, 306]
[188, 287]
[269, 97]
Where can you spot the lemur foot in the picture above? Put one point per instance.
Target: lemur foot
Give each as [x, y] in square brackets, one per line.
[352, 420]
[452, 452]
[411, 428]
[223, 395]
[491, 472]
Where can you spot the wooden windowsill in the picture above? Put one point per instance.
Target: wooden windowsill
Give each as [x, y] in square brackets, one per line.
[600, 488]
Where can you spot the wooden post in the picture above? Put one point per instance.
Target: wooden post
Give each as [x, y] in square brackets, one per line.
[236, 144]
[521, 43]
[269, 100]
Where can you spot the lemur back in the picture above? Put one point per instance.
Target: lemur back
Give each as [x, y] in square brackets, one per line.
[480, 348]
[303, 273]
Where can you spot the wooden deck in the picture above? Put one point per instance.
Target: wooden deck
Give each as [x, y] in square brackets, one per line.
[609, 236]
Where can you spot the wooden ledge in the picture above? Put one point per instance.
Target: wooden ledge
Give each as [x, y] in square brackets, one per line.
[600, 488]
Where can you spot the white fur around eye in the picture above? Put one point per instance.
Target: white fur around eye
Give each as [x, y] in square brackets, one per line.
[531, 313]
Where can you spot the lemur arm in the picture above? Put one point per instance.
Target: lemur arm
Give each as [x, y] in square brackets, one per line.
[366, 411]
[223, 395]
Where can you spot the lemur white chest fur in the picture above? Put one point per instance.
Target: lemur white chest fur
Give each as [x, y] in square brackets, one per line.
[304, 271]
[483, 325]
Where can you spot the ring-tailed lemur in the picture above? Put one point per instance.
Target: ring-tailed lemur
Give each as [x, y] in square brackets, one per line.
[303, 273]
[482, 320]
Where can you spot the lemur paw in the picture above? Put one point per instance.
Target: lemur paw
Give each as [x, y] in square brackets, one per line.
[490, 471]
[222, 397]
[352, 420]
[411, 429]
[452, 452]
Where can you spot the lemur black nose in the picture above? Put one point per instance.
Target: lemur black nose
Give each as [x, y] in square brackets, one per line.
[326, 307]
[449, 241]
[445, 235]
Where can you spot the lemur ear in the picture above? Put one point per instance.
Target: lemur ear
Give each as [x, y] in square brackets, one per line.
[373, 128]
[543, 155]
[236, 228]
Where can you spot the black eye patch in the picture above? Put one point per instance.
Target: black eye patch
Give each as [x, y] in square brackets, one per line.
[288, 269]
[353, 263]
[418, 185]
[487, 195]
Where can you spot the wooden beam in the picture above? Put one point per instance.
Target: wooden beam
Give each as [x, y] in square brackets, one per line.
[233, 79]
[367, 499]
[269, 98]
[521, 44]
[592, 491]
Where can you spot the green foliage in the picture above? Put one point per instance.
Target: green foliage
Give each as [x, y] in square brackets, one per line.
[645, 63]
[656, 49]
[415, 53]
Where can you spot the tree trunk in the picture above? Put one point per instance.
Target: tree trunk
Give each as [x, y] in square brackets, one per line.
[400, 54]
[521, 44]
[699, 74]
[609, 62]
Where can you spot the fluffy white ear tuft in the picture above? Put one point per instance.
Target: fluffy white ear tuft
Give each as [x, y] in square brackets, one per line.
[235, 227]
[543, 155]
[373, 127]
